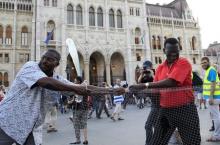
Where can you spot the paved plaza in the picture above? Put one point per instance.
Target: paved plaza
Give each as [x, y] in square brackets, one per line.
[106, 132]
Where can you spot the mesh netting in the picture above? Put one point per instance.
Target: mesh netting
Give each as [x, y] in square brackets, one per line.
[173, 112]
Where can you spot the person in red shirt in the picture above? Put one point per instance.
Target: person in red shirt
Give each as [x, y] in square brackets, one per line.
[177, 109]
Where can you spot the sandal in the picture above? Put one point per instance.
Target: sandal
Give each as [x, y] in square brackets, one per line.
[213, 140]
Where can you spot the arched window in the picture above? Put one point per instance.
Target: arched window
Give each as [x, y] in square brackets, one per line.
[8, 35]
[138, 57]
[70, 16]
[27, 8]
[46, 2]
[91, 16]
[154, 42]
[160, 60]
[1, 78]
[6, 58]
[180, 43]
[18, 6]
[137, 35]
[24, 36]
[1, 58]
[6, 83]
[9, 5]
[79, 16]
[1, 34]
[111, 18]
[119, 19]
[194, 60]
[100, 17]
[193, 43]
[156, 60]
[165, 38]
[50, 30]
[158, 42]
[54, 3]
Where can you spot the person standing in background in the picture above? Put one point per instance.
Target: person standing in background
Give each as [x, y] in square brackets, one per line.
[146, 76]
[118, 99]
[211, 92]
[80, 112]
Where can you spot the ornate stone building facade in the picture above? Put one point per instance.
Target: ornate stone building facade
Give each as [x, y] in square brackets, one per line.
[15, 37]
[102, 30]
[174, 20]
[112, 37]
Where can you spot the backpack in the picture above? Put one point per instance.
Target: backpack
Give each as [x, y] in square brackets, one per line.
[196, 81]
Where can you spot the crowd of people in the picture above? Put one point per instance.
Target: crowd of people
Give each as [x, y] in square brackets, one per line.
[170, 88]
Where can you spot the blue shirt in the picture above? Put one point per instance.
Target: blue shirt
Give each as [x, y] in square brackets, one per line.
[118, 99]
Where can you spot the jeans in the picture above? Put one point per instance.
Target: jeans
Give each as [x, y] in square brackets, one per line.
[7, 140]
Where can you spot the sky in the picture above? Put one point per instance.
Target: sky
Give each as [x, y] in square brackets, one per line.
[208, 14]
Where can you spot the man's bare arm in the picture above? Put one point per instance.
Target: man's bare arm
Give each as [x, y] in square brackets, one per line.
[53, 84]
[56, 85]
[167, 83]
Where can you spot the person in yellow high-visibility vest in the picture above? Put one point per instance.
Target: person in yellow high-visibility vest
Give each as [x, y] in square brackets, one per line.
[211, 92]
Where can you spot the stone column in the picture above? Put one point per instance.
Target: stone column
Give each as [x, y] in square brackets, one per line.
[86, 70]
[38, 31]
[108, 74]
[128, 53]
[63, 39]
[106, 21]
[33, 55]
[14, 40]
[86, 21]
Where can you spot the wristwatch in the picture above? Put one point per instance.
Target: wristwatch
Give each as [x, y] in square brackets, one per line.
[147, 85]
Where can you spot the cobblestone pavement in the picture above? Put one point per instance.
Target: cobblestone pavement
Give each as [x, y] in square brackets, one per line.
[106, 132]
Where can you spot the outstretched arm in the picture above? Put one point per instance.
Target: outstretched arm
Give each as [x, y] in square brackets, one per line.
[160, 84]
[53, 84]
[56, 85]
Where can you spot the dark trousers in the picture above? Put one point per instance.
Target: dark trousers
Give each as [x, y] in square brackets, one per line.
[95, 107]
[150, 124]
[184, 118]
[7, 140]
[102, 106]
